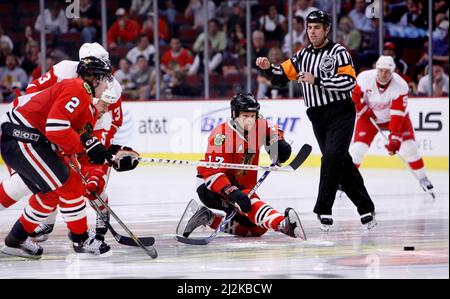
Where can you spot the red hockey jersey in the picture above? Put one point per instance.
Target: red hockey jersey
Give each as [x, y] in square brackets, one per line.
[226, 144]
[61, 113]
[67, 69]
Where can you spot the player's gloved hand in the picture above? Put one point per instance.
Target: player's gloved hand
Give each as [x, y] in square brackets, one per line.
[366, 113]
[95, 183]
[95, 150]
[125, 158]
[395, 140]
[239, 198]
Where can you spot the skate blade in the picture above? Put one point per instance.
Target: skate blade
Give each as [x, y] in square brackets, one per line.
[371, 225]
[325, 228]
[295, 219]
[18, 252]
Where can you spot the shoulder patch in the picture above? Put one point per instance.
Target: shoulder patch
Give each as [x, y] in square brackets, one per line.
[219, 139]
[87, 87]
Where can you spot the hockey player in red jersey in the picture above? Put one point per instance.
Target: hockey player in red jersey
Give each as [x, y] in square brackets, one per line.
[35, 134]
[13, 189]
[382, 95]
[239, 141]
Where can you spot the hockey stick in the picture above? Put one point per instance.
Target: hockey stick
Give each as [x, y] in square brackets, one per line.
[287, 168]
[295, 164]
[151, 252]
[400, 156]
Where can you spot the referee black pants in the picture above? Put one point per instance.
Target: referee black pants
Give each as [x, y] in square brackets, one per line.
[333, 126]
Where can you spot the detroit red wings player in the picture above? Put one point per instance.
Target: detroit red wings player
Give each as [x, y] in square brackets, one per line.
[239, 141]
[382, 95]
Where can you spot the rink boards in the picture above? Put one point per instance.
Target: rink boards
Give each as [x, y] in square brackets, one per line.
[179, 129]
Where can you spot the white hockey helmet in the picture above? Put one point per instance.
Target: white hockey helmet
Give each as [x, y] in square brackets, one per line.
[386, 62]
[111, 94]
[93, 49]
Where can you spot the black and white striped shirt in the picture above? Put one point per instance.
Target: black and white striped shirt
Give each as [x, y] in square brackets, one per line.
[332, 68]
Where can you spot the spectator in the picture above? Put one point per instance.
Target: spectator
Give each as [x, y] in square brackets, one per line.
[55, 21]
[347, 35]
[29, 40]
[170, 13]
[37, 72]
[141, 8]
[11, 76]
[273, 24]
[414, 16]
[195, 8]
[236, 42]
[440, 83]
[215, 62]
[176, 58]
[303, 8]
[163, 29]
[359, 18]
[259, 48]
[298, 36]
[88, 24]
[218, 38]
[236, 16]
[5, 50]
[265, 88]
[143, 78]
[389, 50]
[124, 76]
[440, 44]
[123, 31]
[31, 59]
[6, 39]
[143, 48]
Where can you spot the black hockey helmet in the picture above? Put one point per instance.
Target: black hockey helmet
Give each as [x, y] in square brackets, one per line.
[243, 102]
[319, 16]
[99, 68]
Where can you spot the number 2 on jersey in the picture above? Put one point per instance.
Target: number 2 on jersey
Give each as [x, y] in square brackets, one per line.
[72, 104]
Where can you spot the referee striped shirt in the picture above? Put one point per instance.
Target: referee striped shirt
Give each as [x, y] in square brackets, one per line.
[332, 68]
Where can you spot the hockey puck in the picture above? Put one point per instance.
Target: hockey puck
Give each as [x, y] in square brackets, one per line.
[408, 248]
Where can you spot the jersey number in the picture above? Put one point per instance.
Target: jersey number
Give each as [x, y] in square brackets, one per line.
[72, 104]
[44, 78]
[218, 160]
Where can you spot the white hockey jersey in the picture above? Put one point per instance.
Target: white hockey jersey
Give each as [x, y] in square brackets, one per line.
[391, 101]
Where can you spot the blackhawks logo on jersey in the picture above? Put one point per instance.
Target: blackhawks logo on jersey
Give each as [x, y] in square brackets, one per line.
[219, 139]
[87, 87]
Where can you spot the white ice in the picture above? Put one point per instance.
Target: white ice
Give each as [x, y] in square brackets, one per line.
[151, 199]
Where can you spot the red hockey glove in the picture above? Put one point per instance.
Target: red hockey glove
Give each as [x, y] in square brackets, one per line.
[395, 140]
[366, 113]
[95, 183]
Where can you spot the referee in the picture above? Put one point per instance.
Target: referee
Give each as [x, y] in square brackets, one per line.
[327, 76]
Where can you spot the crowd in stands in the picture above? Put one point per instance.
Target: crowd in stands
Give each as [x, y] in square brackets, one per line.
[181, 37]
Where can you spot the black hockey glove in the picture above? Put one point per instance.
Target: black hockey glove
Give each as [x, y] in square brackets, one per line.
[125, 158]
[95, 150]
[239, 198]
[279, 149]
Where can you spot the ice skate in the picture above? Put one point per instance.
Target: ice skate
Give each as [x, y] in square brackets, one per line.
[369, 220]
[326, 221]
[27, 248]
[292, 225]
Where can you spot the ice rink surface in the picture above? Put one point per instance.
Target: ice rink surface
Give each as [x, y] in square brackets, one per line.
[151, 199]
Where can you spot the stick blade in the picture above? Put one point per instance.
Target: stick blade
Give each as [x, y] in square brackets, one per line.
[302, 155]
